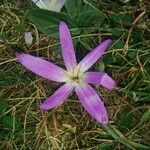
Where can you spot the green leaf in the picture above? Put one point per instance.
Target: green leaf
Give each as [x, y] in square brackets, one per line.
[121, 139]
[3, 106]
[134, 3]
[86, 42]
[118, 44]
[90, 18]
[132, 54]
[138, 145]
[119, 31]
[3, 36]
[48, 21]
[146, 116]
[126, 119]
[138, 38]
[74, 7]
[100, 66]
[9, 122]
[105, 146]
[122, 18]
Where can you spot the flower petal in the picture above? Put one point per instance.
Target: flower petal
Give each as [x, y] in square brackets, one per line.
[42, 67]
[41, 3]
[100, 78]
[53, 5]
[67, 46]
[94, 55]
[58, 97]
[57, 5]
[91, 101]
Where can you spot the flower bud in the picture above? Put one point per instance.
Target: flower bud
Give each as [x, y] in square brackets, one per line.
[28, 38]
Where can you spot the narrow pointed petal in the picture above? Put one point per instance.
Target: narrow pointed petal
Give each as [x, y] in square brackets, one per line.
[41, 3]
[92, 103]
[42, 67]
[58, 97]
[94, 55]
[67, 46]
[100, 78]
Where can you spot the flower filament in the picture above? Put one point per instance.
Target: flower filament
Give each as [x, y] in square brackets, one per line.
[74, 76]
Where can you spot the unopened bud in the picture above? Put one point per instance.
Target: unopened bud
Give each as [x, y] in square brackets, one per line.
[28, 38]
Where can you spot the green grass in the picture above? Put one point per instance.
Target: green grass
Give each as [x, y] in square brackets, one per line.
[24, 126]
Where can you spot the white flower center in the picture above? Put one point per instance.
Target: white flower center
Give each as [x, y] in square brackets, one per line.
[75, 76]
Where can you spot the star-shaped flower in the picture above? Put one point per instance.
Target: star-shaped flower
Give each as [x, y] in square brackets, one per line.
[75, 77]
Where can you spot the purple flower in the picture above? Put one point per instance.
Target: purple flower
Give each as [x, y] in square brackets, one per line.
[75, 77]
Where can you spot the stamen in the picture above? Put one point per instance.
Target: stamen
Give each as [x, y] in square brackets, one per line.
[74, 76]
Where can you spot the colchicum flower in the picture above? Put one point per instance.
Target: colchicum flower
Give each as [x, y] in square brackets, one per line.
[53, 5]
[75, 77]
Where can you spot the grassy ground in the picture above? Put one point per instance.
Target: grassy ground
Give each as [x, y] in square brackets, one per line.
[24, 126]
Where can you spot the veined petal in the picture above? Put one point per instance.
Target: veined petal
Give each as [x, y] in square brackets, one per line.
[53, 5]
[67, 46]
[56, 5]
[58, 97]
[92, 103]
[41, 3]
[42, 67]
[94, 55]
[101, 78]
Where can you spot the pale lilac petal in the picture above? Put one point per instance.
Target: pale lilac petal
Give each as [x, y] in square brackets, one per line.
[56, 5]
[53, 5]
[42, 67]
[67, 46]
[100, 78]
[94, 55]
[41, 3]
[92, 103]
[58, 97]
